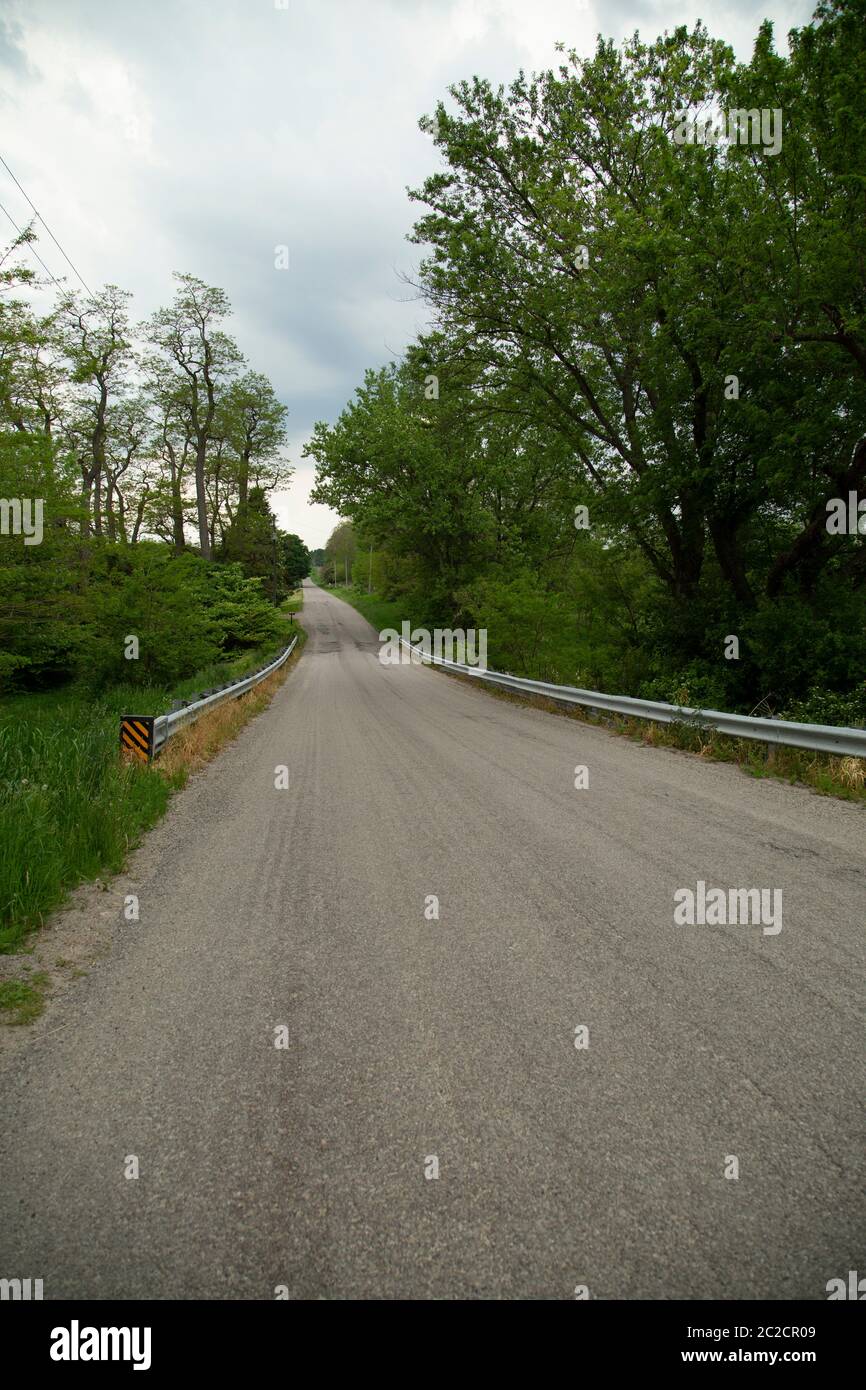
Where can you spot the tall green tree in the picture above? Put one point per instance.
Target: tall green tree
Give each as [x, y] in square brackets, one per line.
[595, 269]
[253, 421]
[293, 558]
[204, 360]
[95, 337]
[251, 539]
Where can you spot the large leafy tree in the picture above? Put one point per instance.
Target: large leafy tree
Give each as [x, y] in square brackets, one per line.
[670, 335]
[204, 360]
[253, 421]
[399, 463]
[251, 538]
[95, 337]
[599, 272]
[802, 269]
[294, 559]
[254, 541]
[437, 464]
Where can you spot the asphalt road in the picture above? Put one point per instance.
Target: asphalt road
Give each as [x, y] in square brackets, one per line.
[411, 1038]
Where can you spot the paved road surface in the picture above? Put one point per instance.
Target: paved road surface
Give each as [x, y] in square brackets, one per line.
[410, 1038]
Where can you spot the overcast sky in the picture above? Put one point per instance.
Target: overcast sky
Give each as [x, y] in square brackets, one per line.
[198, 135]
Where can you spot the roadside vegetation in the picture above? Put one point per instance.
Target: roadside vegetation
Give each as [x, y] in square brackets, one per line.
[378, 611]
[71, 808]
[843, 777]
[632, 446]
[140, 562]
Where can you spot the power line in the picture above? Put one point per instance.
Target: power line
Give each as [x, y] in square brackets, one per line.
[32, 249]
[47, 228]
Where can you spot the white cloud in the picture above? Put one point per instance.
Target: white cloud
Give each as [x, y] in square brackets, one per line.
[199, 134]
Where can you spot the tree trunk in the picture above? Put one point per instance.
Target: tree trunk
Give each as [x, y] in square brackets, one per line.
[243, 478]
[177, 511]
[109, 510]
[86, 493]
[811, 550]
[201, 499]
[139, 517]
[98, 451]
[725, 543]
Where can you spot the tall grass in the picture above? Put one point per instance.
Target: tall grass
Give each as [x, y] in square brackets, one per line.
[70, 807]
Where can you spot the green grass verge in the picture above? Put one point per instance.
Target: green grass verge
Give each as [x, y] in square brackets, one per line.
[380, 612]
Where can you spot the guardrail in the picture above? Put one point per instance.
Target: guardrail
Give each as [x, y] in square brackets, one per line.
[822, 738]
[147, 735]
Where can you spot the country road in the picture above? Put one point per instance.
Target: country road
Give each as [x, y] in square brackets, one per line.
[410, 1038]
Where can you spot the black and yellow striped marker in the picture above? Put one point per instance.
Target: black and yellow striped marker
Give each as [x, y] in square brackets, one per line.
[136, 734]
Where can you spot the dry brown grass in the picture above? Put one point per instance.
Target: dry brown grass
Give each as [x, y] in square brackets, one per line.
[191, 748]
[851, 772]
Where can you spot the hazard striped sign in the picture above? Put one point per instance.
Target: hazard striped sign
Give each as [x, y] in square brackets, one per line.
[136, 734]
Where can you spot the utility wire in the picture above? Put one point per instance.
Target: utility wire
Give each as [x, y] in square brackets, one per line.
[48, 229]
[32, 249]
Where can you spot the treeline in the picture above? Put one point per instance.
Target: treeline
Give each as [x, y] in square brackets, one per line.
[136, 464]
[336, 561]
[644, 395]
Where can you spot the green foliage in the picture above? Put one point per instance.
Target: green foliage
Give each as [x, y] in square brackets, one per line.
[825, 707]
[293, 560]
[279, 558]
[525, 624]
[184, 611]
[696, 380]
[251, 538]
[23, 1000]
[106, 459]
[68, 808]
[40, 634]
[163, 601]
[241, 609]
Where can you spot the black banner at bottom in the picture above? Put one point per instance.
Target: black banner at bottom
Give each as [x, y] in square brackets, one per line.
[159, 1339]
